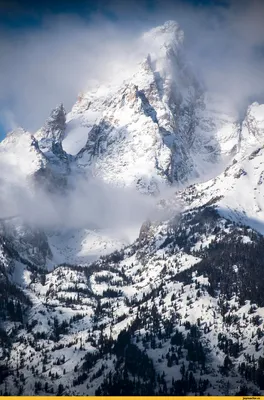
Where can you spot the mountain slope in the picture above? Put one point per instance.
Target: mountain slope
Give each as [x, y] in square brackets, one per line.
[186, 297]
[179, 301]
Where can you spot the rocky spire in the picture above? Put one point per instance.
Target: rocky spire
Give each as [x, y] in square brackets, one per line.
[55, 125]
[164, 39]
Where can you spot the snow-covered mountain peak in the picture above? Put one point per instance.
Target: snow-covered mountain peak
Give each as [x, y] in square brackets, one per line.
[15, 135]
[55, 125]
[50, 138]
[164, 38]
[252, 131]
[156, 127]
[38, 159]
[164, 45]
[20, 150]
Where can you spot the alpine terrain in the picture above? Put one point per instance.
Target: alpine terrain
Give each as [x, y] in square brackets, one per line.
[178, 307]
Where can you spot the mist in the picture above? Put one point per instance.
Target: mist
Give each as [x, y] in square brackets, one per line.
[91, 204]
[45, 65]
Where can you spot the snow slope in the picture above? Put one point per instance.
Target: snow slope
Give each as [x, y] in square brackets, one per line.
[82, 246]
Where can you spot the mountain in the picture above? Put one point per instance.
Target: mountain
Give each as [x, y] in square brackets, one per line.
[237, 193]
[159, 127]
[177, 311]
[38, 158]
[186, 297]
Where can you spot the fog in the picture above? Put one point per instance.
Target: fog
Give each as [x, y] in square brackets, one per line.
[89, 205]
[45, 65]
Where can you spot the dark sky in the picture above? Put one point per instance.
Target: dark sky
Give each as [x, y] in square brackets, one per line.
[24, 13]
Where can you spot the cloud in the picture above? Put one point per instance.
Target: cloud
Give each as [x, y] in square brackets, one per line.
[88, 205]
[8, 120]
[228, 50]
[42, 66]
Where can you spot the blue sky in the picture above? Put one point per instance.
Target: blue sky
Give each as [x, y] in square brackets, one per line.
[2, 131]
[29, 79]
